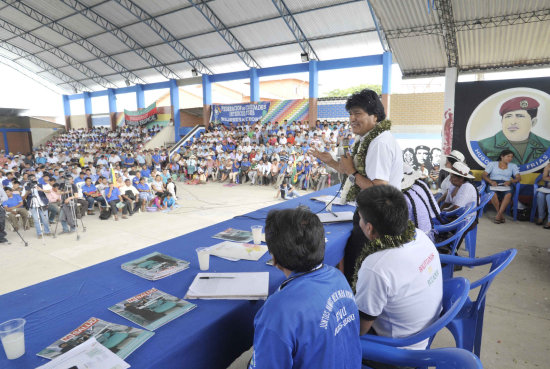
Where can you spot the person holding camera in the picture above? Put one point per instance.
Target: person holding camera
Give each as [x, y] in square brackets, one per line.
[3, 234]
[37, 204]
[69, 197]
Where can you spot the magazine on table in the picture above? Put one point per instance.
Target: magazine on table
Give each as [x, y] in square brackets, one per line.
[235, 235]
[152, 309]
[155, 266]
[237, 251]
[120, 339]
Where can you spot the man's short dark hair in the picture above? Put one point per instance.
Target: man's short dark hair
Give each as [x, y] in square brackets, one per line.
[369, 101]
[295, 238]
[385, 208]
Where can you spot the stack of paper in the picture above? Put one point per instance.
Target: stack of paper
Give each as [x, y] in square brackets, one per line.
[90, 354]
[236, 251]
[342, 216]
[230, 286]
[543, 189]
[155, 266]
[152, 309]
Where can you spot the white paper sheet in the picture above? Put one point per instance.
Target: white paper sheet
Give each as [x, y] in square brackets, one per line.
[237, 251]
[500, 188]
[90, 355]
[342, 216]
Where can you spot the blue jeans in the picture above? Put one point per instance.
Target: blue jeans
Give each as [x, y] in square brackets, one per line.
[542, 200]
[43, 214]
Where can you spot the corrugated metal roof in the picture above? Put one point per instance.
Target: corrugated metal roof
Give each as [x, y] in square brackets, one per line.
[489, 34]
[334, 29]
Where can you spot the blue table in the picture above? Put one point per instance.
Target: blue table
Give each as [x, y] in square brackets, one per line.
[210, 336]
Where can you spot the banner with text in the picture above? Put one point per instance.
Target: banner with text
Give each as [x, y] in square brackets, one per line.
[236, 113]
[141, 116]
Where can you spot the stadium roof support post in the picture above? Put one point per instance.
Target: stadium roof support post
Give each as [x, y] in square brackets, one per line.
[206, 99]
[175, 103]
[254, 86]
[67, 111]
[386, 80]
[112, 107]
[313, 91]
[88, 109]
[140, 97]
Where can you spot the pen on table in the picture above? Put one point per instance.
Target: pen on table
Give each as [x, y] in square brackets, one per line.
[213, 277]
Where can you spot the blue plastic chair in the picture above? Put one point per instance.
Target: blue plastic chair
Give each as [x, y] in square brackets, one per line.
[444, 358]
[470, 239]
[534, 204]
[459, 228]
[482, 187]
[512, 208]
[460, 213]
[467, 326]
[455, 293]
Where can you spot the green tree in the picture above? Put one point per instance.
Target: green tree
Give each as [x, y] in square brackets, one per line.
[350, 90]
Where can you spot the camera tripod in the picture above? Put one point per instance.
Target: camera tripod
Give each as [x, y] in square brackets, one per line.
[35, 204]
[70, 207]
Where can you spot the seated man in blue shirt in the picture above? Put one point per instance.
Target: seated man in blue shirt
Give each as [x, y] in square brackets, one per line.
[311, 321]
[14, 207]
[145, 172]
[113, 196]
[91, 194]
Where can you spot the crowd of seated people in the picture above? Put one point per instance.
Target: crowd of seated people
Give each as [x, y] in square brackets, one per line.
[262, 154]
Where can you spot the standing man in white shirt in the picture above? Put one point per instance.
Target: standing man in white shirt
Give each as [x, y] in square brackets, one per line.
[375, 159]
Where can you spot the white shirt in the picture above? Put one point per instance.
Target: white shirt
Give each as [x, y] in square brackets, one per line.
[403, 288]
[465, 195]
[384, 160]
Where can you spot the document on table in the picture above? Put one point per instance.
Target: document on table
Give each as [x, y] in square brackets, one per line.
[90, 355]
[230, 286]
[500, 188]
[237, 251]
[328, 198]
[342, 216]
[543, 189]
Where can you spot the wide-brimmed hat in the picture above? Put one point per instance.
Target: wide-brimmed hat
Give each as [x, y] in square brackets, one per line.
[460, 169]
[409, 176]
[457, 155]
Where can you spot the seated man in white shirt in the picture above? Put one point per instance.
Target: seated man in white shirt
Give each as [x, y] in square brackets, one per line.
[398, 283]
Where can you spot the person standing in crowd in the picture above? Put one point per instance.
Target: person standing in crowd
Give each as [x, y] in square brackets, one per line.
[3, 234]
[375, 159]
[294, 329]
[398, 280]
[543, 198]
[505, 174]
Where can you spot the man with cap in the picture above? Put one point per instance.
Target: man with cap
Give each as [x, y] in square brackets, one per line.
[518, 117]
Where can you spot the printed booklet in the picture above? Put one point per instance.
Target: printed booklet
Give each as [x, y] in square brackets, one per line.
[235, 235]
[120, 339]
[152, 309]
[155, 266]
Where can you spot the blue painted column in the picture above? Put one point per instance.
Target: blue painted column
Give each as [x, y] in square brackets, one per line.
[88, 109]
[112, 107]
[206, 99]
[175, 103]
[140, 97]
[313, 91]
[6, 146]
[67, 111]
[386, 80]
[254, 86]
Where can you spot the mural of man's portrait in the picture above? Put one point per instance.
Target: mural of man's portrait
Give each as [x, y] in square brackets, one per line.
[422, 156]
[435, 154]
[516, 119]
[408, 157]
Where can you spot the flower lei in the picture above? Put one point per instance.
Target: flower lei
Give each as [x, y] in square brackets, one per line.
[359, 153]
[383, 243]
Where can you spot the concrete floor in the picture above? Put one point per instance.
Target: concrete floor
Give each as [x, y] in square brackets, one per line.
[517, 315]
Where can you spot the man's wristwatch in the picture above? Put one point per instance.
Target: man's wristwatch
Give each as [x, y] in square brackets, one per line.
[351, 177]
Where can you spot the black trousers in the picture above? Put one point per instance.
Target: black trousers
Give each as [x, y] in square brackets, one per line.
[2, 222]
[355, 244]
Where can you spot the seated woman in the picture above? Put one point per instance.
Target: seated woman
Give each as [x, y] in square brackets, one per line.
[462, 191]
[420, 201]
[543, 198]
[445, 179]
[158, 185]
[502, 173]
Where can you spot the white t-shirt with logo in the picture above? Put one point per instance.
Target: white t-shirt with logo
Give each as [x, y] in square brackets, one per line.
[402, 287]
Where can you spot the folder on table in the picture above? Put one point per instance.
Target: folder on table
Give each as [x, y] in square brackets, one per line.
[230, 286]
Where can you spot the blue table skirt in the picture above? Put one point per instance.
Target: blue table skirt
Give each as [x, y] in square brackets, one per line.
[210, 336]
